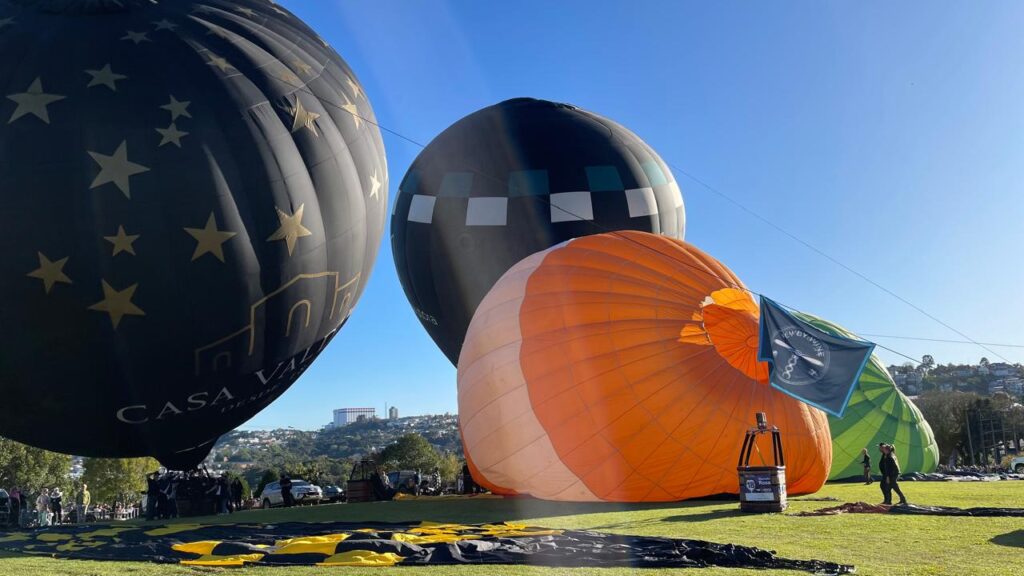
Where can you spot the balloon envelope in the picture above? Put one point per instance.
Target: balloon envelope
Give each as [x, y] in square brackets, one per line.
[193, 196]
[510, 180]
[622, 367]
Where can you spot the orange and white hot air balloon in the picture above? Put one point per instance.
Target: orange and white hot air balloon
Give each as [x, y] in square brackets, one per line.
[623, 367]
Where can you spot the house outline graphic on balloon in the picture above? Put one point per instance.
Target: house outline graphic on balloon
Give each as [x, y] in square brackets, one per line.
[289, 319]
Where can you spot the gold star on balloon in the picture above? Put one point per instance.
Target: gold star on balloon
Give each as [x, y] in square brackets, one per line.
[164, 24]
[105, 77]
[171, 135]
[302, 66]
[291, 228]
[136, 37]
[302, 118]
[116, 168]
[276, 8]
[50, 272]
[219, 62]
[352, 109]
[288, 77]
[210, 240]
[117, 303]
[177, 108]
[374, 186]
[33, 101]
[122, 241]
[357, 90]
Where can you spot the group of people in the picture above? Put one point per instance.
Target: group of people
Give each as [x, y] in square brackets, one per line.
[49, 506]
[889, 467]
[190, 493]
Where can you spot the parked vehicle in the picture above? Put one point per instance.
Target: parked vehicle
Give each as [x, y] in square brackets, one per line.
[333, 494]
[302, 491]
[402, 480]
[1017, 465]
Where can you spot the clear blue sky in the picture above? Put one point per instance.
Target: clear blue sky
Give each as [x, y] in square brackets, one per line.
[889, 135]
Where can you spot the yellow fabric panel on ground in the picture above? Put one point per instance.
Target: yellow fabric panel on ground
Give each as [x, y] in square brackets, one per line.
[212, 561]
[362, 558]
[203, 548]
[310, 545]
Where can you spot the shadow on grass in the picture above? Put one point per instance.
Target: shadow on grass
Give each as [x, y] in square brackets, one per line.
[469, 510]
[1015, 539]
[706, 516]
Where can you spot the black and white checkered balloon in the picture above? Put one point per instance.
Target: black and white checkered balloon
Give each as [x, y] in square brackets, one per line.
[510, 180]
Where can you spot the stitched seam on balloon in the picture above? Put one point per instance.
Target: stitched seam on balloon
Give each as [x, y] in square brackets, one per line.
[668, 435]
[671, 434]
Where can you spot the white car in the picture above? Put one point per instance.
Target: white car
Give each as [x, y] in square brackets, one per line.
[302, 491]
[1017, 465]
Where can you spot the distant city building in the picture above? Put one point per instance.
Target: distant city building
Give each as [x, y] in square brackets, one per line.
[1000, 369]
[346, 416]
[393, 413]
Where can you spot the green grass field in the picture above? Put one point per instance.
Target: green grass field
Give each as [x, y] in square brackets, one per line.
[890, 545]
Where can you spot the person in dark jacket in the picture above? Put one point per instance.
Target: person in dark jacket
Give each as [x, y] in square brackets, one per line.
[866, 461]
[236, 494]
[889, 466]
[152, 495]
[57, 506]
[286, 491]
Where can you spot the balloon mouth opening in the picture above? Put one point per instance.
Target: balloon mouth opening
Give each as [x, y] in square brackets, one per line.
[728, 321]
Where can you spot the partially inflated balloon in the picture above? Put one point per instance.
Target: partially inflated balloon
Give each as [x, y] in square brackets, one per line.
[877, 412]
[508, 181]
[623, 367]
[193, 196]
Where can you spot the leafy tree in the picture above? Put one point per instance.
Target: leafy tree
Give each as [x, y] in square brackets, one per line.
[32, 468]
[450, 466]
[984, 362]
[409, 452]
[270, 475]
[927, 362]
[113, 480]
[945, 411]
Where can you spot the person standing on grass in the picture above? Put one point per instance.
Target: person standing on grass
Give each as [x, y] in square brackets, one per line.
[43, 508]
[866, 461]
[16, 499]
[83, 503]
[57, 507]
[286, 491]
[889, 466]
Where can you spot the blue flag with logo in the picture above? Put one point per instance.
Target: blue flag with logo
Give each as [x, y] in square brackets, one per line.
[807, 363]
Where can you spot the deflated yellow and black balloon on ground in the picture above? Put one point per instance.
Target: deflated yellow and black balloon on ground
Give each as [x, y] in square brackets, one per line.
[510, 180]
[193, 195]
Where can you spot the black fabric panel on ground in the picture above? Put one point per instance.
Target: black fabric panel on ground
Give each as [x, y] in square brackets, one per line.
[948, 511]
[912, 509]
[438, 544]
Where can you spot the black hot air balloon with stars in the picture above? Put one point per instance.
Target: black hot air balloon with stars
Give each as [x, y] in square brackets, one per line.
[192, 197]
[510, 180]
